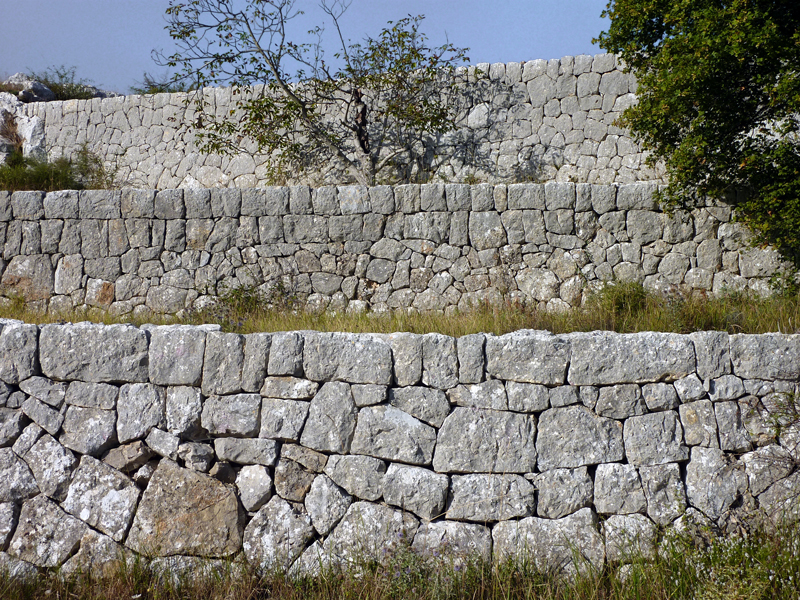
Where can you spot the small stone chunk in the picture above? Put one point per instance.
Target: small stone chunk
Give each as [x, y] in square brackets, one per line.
[618, 490]
[16, 399]
[163, 443]
[326, 503]
[247, 451]
[18, 351]
[286, 355]
[483, 498]
[89, 430]
[292, 482]
[232, 415]
[12, 423]
[491, 394]
[699, 424]
[361, 476]
[714, 481]
[620, 401]
[145, 473]
[426, 404]
[102, 497]
[290, 388]
[407, 354]
[562, 492]
[92, 395]
[224, 472]
[665, 493]
[46, 390]
[439, 361]
[654, 439]
[140, 407]
[277, 535]
[9, 513]
[660, 396]
[690, 388]
[195, 456]
[527, 397]
[19, 483]
[727, 387]
[575, 436]
[283, 419]
[255, 487]
[367, 394]
[29, 436]
[52, 466]
[733, 436]
[471, 359]
[46, 536]
[128, 457]
[564, 395]
[420, 491]
[184, 406]
[222, 363]
[256, 355]
[331, 419]
[44, 416]
[310, 459]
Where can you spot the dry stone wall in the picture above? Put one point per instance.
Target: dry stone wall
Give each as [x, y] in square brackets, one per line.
[410, 247]
[301, 449]
[541, 119]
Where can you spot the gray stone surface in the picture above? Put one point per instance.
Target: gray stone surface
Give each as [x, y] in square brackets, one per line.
[665, 492]
[407, 355]
[89, 431]
[490, 394]
[483, 498]
[561, 492]
[389, 433]
[769, 356]
[527, 397]
[256, 356]
[92, 395]
[292, 481]
[18, 351]
[360, 476]
[764, 466]
[255, 487]
[129, 457]
[331, 419]
[140, 407]
[12, 422]
[618, 490]
[102, 497]
[52, 466]
[247, 451]
[98, 556]
[714, 481]
[619, 401]
[289, 388]
[574, 436]
[163, 443]
[629, 537]
[486, 441]
[283, 419]
[426, 404]
[277, 535]
[195, 456]
[528, 357]
[654, 439]
[45, 417]
[185, 512]
[471, 358]
[286, 355]
[417, 490]
[45, 390]
[176, 355]
[222, 363]
[46, 536]
[350, 357]
[235, 415]
[326, 503]
[602, 358]
[9, 515]
[439, 361]
[184, 407]
[453, 542]
[660, 396]
[19, 483]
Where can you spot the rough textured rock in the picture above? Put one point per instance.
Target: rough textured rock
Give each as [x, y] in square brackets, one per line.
[654, 439]
[176, 355]
[184, 407]
[286, 355]
[292, 481]
[19, 483]
[98, 556]
[619, 401]
[551, 545]
[102, 497]
[256, 356]
[289, 388]
[92, 395]
[491, 394]
[561, 492]
[426, 404]
[222, 363]
[415, 489]
[361, 476]
[618, 490]
[713, 481]
[326, 503]
[277, 535]
[771, 356]
[407, 354]
[163, 443]
[439, 361]
[455, 543]
[247, 451]
[140, 407]
[237, 415]
[12, 422]
[699, 424]
[9, 514]
[185, 512]
[45, 417]
[331, 419]
[471, 358]
[765, 466]
[368, 532]
[665, 492]
[283, 419]
[387, 432]
[601, 358]
[779, 501]
[255, 487]
[89, 431]
[486, 441]
[483, 498]
[350, 357]
[528, 357]
[52, 466]
[94, 353]
[128, 457]
[629, 537]
[18, 360]
[46, 536]
[527, 397]
[574, 436]
[45, 390]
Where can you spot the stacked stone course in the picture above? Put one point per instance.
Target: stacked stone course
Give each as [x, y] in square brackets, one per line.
[351, 248]
[299, 449]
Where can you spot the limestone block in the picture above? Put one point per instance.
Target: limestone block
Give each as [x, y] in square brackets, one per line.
[665, 492]
[727, 387]
[44, 389]
[331, 419]
[18, 360]
[733, 435]
[486, 230]
[486, 441]
[699, 424]
[550, 544]
[163, 443]
[766, 356]
[31, 277]
[618, 490]
[414, 489]
[779, 501]
[236, 415]
[389, 433]
[140, 407]
[255, 487]
[185, 512]
[52, 466]
[283, 419]
[17, 569]
[490, 394]
[426, 404]
[19, 483]
[326, 503]
[368, 394]
[712, 349]
[602, 358]
[407, 355]
[350, 357]
[292, 481]
[660, 396]
[561, 492]
[256, 355]
[528, 357]
[93, 352]
[689, 388]
[44, 416]
[289, 388]
[453, 541]
[46, 536]
[277, 535]
[574, 436]
[12, 423]
[764, 466]
[129, 457]
[99, 556]
[176, 355]
[184, 406]
[247, 451]
[654, 439]
[360, 476]
[619, 401]
[527, 397]
[714, 481]
[89, 431]
[9, 515]
[100, 204]
[483, 498]
[102, 497]
[629, 537]
[222, 363]
[311, 460]
[439, 361]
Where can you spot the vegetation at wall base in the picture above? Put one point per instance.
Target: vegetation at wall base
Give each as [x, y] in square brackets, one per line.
[718, 103]
[85, 171]
[765, 564]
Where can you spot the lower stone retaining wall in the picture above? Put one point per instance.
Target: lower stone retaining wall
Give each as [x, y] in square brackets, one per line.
[301, 448]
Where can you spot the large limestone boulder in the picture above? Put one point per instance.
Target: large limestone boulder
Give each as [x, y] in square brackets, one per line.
[484, 498]
[528, 357]
[574, 436]
[350, 357]
[389, 433]
[714, 481]
[46, 536]
[185, 512]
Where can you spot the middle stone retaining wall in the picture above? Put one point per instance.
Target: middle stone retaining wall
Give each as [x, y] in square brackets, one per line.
[303, 448]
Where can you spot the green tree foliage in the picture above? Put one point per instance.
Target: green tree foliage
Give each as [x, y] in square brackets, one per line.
[381, 108]
[719, 103]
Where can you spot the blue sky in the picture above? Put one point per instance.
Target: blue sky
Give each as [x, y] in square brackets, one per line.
[110, 41]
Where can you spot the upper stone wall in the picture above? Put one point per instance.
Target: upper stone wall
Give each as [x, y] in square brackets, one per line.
[527, 121]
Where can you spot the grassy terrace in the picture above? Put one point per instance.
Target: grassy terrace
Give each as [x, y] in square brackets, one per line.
[624, 308]
[760, 565]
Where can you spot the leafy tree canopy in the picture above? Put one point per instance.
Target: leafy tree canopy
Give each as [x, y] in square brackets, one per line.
[719, 103]
[380, 108]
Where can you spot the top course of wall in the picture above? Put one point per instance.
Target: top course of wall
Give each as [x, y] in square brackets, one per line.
[520, 121]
